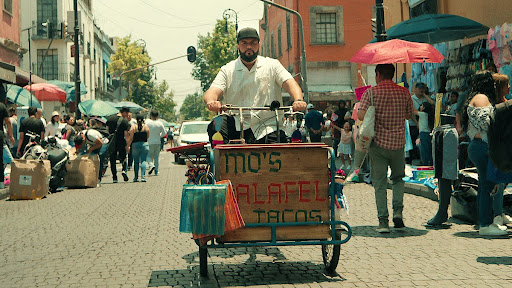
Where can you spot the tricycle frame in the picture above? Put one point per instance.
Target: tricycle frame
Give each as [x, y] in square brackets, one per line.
[335, 235]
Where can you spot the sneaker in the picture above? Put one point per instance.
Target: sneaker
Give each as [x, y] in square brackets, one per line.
[498, 221]
[383, 227]
[506, 219]
[143, 180]
[151, 170]
[135, 180]
[156, 173]
[399, 222]
[114, 181]
[125, 176]
[491, 230]
[128, 168]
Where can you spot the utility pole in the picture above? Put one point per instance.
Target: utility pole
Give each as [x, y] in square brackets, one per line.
[303, 61]
[381, 26]
[77, 62]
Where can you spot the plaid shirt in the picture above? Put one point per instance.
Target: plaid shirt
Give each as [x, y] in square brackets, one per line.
[393, 104]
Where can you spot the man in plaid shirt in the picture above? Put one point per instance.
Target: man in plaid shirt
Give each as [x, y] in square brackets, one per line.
[393, 105]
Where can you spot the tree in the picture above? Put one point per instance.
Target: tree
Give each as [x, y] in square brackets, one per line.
[193, 108]
[164, 102]
[214, 51]
[129, 55]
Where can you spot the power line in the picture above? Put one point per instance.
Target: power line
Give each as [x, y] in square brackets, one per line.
[165, 12]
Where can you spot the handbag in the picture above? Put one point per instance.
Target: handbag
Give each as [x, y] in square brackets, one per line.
[496, 176]
[367, 129]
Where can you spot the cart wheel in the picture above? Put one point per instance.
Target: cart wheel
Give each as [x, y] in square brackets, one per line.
[331, 255]
[203, 261]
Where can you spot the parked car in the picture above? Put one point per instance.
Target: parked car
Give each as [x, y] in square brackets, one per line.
[191, 132]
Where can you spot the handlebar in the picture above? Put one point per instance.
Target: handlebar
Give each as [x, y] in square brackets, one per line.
[229, 107]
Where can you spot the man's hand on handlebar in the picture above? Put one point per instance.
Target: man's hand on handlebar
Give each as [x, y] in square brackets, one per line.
[214, 106]
[299, 105]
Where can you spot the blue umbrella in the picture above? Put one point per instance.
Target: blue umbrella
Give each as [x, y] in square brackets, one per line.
[96, 108]
[69, 87]
[436, 28]
[134, 107]
[20, 96]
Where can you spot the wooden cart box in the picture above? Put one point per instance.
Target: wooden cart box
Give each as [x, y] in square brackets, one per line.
[277, 183]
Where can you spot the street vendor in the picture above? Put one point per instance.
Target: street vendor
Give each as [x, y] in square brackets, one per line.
[96, 141]
[252, 80]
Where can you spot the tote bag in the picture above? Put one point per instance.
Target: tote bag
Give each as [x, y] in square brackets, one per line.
[367, 129]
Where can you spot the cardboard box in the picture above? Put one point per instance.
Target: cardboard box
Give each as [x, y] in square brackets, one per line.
[29, 179]
[82, 171]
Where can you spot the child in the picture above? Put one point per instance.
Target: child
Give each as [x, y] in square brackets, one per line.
[425, 126]
[345, 147]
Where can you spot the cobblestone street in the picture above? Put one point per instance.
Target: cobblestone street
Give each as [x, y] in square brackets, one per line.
[126, 235]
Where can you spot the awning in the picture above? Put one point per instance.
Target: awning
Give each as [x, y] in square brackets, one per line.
[7, 73]
[23, 76]
[329, 92]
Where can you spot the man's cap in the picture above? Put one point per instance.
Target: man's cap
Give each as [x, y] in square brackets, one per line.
[100, 119]
[310, 106]
[247, 33]
[55, 113]
[124, 109]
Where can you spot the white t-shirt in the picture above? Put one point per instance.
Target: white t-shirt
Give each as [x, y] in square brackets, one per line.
[156, 131]
[54, 130]
[92, 135]
[255, 88]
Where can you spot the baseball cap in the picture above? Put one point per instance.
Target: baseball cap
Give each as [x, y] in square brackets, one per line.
[247, 33]
[310, 106]
[100, 119]
[124, 109]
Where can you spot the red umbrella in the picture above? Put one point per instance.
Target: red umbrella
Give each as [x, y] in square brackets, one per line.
[397, 51]
[47, 92]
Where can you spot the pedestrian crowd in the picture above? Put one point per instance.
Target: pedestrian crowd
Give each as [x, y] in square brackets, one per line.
[135, 143]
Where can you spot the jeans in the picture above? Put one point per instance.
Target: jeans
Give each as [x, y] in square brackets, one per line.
[119, 152]
[154, 154]
[7, 156]
[380, 159]
[426, 148]
[478, 153]
[140, 154]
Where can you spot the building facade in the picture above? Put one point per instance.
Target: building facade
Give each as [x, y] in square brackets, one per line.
[334, 30]
[10, 48]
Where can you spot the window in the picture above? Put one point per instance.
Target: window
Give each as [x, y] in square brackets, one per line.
[279, 50]
[8, 6]
[326, 28]
[272, 46]
[326, 25]
[288, 31]
[46, 10]
[50, 67]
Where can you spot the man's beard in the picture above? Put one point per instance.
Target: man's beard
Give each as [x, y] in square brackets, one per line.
[248, 58]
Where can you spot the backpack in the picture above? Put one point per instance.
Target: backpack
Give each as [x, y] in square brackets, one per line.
[500, 137]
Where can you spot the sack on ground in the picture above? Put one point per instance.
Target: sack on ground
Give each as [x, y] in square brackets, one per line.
[82, 171]
[29, 179]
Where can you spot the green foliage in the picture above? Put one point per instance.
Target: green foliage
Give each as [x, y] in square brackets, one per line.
[164, 102]
[193, 108]
[129, 55]
[214, 50]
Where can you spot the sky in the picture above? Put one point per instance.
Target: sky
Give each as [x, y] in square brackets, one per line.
[168, 27]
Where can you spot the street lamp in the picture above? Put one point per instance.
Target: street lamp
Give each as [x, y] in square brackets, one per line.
[30, 56]
[143, 44]
[228, 13]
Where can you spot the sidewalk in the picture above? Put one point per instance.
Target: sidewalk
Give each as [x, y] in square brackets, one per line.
[4, 193]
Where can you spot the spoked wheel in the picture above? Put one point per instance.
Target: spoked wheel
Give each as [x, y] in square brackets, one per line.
[331, 254]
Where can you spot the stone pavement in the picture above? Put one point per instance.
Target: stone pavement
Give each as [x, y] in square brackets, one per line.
[126, 235]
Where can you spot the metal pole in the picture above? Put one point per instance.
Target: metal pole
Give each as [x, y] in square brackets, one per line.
[381, 26]
[30, 66]
[77, 62]
[304, 73]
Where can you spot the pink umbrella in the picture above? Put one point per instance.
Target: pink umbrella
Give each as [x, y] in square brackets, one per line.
[397, 51]
[47, 92]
